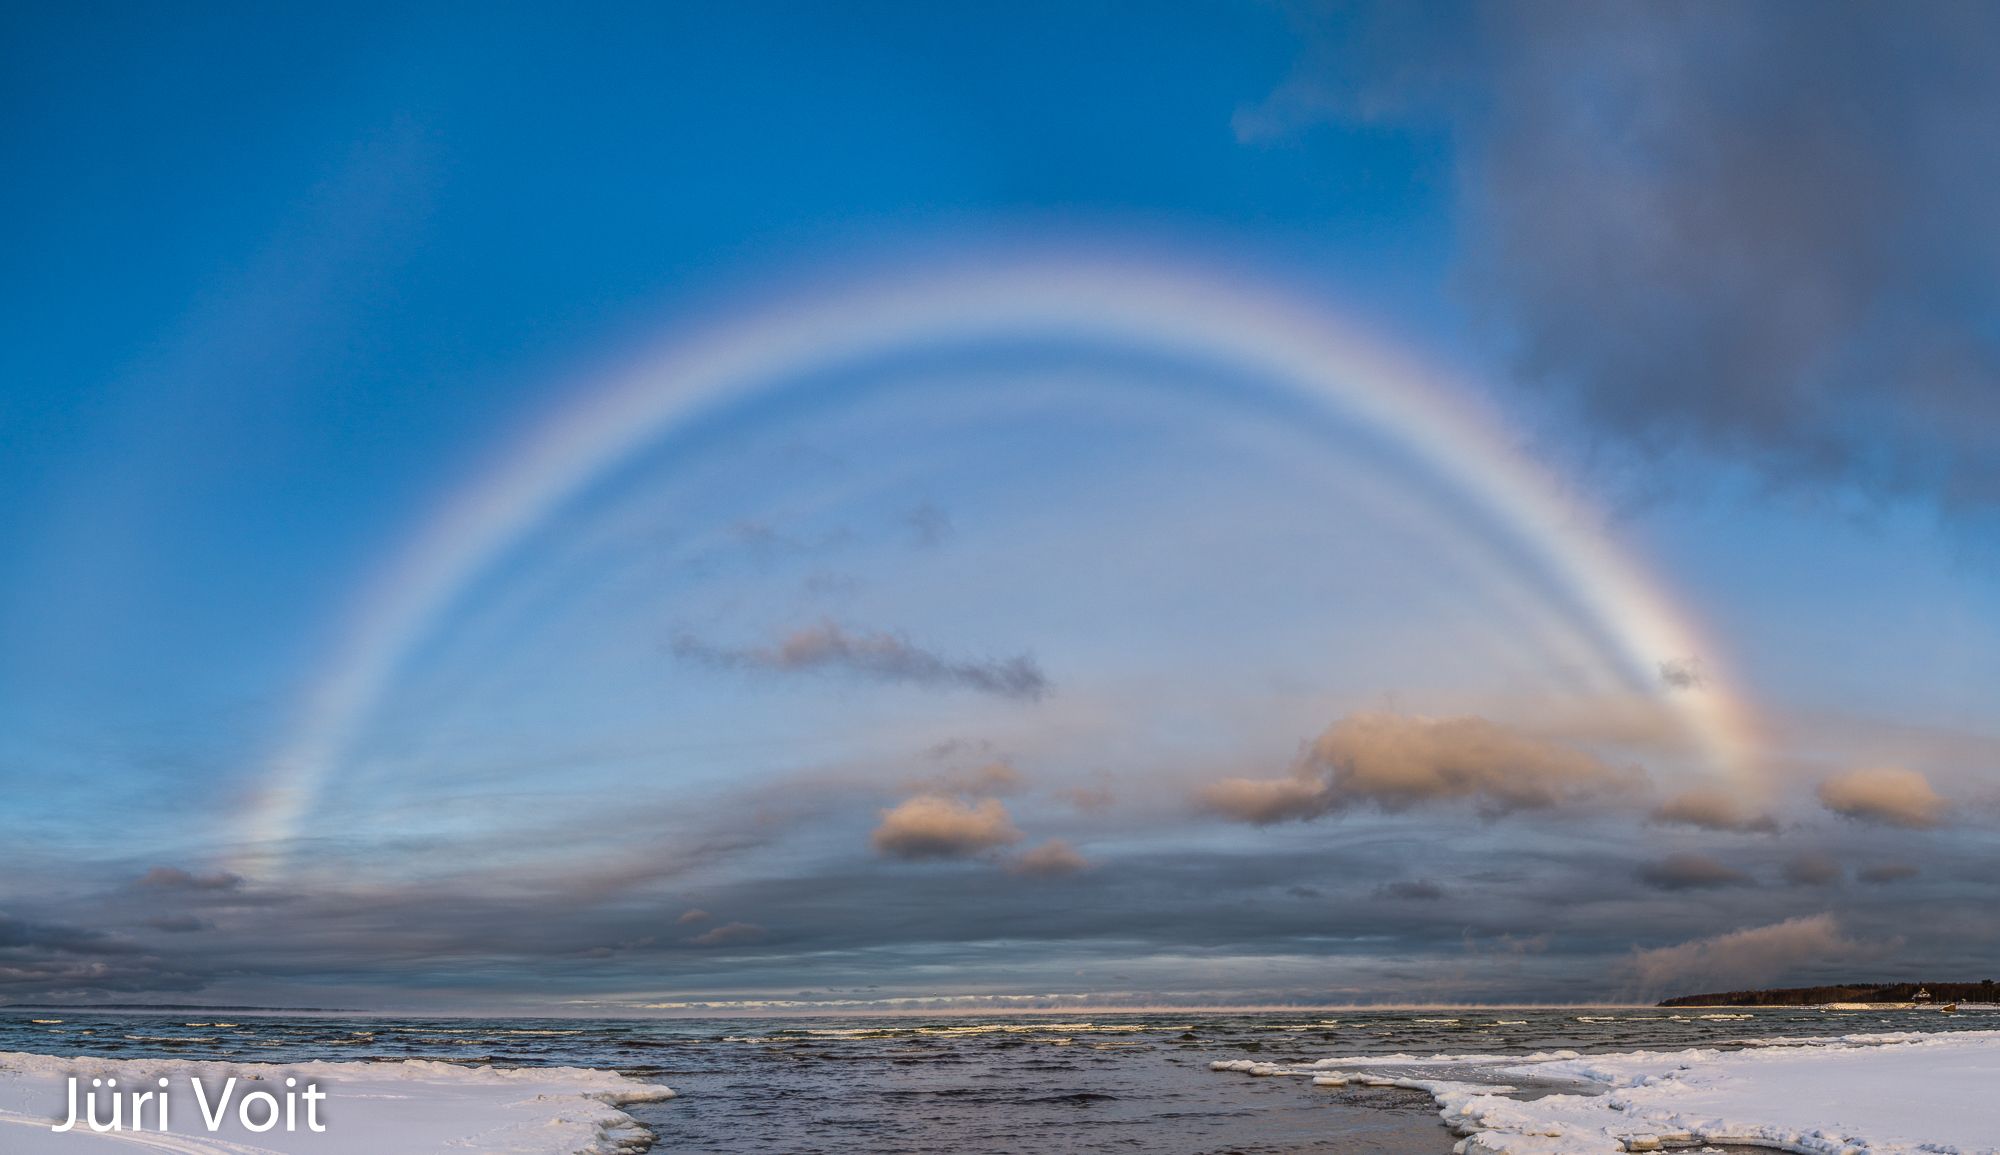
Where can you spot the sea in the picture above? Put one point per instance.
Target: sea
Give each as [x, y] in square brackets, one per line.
[1019, 1084]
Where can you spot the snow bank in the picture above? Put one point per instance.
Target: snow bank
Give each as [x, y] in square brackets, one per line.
[1893, 1094]
[389, 1108]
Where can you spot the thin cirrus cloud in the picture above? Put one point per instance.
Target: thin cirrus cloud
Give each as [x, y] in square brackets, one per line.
[1888, 796]
[875, 655]
[732, 934]
[995, 777]
[1398, 761]
[934, 826]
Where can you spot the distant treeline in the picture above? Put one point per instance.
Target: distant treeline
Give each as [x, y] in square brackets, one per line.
[1980, 992]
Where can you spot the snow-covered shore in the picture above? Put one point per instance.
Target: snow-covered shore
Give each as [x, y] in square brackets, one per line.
[1890, 1094]
[383, 1108]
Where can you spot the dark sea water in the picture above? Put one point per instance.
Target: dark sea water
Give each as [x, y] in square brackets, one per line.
[1034, 1084]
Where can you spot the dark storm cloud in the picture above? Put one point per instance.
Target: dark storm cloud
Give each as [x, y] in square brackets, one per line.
[1690, 872]
[1766, 229]
[876, 655]
[40, 959]
[18, 934]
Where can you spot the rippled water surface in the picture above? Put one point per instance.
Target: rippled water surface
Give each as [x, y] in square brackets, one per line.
[1045, 1084]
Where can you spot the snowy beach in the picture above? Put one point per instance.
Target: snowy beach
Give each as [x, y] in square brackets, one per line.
[1900, 1093]
[413, 1107]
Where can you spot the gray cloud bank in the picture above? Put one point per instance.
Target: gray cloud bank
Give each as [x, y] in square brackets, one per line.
[1765, 229]
[876, 655]
[1746, 957]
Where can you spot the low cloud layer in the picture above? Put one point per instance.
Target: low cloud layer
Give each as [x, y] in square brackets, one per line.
[1712, 808]
[1411, 890]
[172, 878]
[1889, 797]
[878, 656]
[55, 960]
[1814, 869]
[1744, 958]
[731, 934]
[932, 826]
[1049, 860]
[1397, 762]
[1690, 872]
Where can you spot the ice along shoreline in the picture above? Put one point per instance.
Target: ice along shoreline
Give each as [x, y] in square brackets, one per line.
[1902, 1093]
[398, 1107]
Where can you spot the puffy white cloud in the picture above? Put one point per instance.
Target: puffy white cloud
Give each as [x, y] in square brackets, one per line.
[935, 826]
[1891, 796]
[1398, 761]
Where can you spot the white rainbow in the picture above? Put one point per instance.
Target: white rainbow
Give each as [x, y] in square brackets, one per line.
[1169, 309]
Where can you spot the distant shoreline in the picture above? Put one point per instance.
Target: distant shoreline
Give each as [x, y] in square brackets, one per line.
[1876, 993]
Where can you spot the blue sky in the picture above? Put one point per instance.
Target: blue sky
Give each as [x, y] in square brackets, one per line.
[1019, 666]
